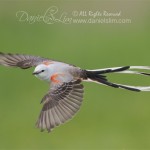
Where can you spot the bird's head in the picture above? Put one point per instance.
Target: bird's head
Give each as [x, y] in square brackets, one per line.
[41, 72]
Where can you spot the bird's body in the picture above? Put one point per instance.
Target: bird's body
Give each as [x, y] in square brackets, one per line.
[65, 96]
[57, 72]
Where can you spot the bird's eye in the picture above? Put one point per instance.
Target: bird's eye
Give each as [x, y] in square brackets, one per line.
[42, 70]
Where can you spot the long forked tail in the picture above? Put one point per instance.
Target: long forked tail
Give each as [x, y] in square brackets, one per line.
[99, 76]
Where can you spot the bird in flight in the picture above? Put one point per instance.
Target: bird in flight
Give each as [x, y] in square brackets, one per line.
[65, 95]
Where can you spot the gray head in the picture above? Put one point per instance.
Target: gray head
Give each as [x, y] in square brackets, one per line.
[41, 72]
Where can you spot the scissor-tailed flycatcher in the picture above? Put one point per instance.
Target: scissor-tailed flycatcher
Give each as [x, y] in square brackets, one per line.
[65, 96]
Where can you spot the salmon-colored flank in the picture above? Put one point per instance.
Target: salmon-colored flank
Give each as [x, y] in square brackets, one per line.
[53, 78]
[47, 63]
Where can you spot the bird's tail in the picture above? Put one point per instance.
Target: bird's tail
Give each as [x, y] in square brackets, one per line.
[99, 76]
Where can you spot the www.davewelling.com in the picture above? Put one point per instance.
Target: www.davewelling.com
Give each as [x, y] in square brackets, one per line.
[53, 15]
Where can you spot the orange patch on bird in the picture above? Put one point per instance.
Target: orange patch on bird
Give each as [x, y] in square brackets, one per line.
[47, 63]
[54, 76]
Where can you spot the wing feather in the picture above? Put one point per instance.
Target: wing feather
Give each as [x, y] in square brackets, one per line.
[18, 60]
[60, 104]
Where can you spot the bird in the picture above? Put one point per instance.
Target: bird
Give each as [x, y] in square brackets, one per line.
[65, 95]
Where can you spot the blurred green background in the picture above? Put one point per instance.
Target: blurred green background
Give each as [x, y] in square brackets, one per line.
[109, 119]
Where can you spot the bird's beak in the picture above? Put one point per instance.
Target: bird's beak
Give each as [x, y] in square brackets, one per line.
[35, 73]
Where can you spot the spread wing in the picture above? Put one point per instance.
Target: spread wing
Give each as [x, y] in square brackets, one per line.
[18, 60]
[60, 105]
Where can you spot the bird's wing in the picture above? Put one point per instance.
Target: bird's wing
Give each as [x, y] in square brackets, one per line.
[61, 103]
[18, 60]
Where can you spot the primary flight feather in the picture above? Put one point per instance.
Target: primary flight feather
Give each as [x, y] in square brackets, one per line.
[65, 95]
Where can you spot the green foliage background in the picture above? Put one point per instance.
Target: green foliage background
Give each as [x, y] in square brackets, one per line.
[109, 118]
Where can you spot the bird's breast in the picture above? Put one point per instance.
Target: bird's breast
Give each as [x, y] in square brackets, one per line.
[59, 72]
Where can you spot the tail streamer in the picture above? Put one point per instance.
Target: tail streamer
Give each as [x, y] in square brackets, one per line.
[99, 76]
